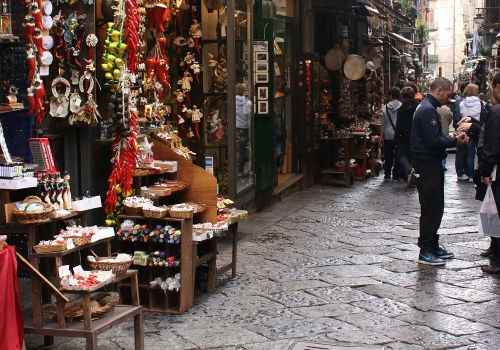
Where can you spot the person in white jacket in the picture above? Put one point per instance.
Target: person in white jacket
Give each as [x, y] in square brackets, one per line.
[470, 106]
[389, 119]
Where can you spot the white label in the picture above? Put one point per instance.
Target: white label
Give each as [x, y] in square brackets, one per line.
[44, 70]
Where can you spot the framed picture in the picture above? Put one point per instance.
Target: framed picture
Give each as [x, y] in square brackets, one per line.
[261, 67]
[262, 107]
[262, 56]
[262, 93]
[261, 78]
[260, 45]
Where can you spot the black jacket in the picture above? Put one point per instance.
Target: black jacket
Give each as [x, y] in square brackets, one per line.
[405, 121]
[427, 139]
[490, 142]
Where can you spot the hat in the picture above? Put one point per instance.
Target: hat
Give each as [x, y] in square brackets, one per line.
[354, 67]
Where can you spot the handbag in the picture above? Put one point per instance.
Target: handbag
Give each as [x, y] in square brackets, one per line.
[489, 221]
[479, 186]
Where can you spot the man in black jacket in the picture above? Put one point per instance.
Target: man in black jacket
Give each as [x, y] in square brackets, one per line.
[428, 148]
[403, 131]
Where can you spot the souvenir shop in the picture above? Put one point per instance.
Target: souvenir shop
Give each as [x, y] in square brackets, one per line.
[343, 77]
[136, 114]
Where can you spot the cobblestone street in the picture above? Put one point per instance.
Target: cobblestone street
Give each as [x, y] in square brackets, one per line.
[339, 266]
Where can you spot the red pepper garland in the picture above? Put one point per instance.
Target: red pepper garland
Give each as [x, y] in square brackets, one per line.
[131, 36]
[125, 152]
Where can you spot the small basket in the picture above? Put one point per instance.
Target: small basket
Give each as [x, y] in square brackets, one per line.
[79, 240]
[118, 267]
[155, 214]
[29, 217]
[133, 210]
[181, 214]
[50, 248]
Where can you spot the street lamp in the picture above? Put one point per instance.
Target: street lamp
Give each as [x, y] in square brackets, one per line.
[479, 18]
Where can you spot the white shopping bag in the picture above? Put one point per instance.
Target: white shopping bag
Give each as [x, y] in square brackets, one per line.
[489, 221]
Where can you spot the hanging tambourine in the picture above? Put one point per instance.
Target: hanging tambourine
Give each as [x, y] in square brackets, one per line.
[334, 58]
[354, 67]
[47, 42]
[47, 22]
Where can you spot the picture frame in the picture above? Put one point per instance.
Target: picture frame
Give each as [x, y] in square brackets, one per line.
[261, 67]
[262, 78]
[262, 93]
[261, 56]
[262, 107]
[260, 46]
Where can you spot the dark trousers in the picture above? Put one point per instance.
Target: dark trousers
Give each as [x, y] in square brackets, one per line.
[403, 156]
[390, 160]
[430, 186]
[241, 148]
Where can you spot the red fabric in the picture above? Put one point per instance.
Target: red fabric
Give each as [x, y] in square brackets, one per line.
[11, 318]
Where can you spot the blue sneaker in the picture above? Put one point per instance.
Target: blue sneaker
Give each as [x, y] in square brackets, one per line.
[443, 253]
[429, 258]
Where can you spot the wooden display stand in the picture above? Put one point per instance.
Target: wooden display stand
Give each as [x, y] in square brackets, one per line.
[362, 153]
[154, 299]
[89, 329]
[345, 171]
[202, 186]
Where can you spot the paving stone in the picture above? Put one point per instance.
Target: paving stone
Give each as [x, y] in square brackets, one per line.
[350, 281]
[359, 336]
[328, 310]
[464, 294]
[384, 306]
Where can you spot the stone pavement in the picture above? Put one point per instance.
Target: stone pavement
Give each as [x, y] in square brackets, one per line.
[339, 266]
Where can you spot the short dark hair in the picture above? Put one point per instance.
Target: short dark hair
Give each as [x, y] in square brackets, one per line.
[441, 82]
[412, 85]
[400, 83]
[496, 79]
[408, 92]
[463, 86]
[394, 92]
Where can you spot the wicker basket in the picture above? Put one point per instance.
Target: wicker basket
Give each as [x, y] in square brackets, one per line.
[29, 217]
[79, 240]
[118, 267]
[50, 248]
[181, 214]
[133, 210]
[155, 214]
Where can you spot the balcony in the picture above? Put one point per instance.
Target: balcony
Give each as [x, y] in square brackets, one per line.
[434, 58]
[433, 26]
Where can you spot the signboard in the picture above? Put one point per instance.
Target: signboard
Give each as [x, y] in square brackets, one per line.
[280, 7]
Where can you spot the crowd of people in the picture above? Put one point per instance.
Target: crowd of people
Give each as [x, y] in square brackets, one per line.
[415, 136]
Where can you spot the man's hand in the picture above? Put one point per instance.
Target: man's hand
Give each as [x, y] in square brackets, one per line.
[462, 139]
[465, 126]
[486, 180]
[465, 120]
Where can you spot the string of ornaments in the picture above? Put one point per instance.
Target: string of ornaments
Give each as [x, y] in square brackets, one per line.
[56, 42]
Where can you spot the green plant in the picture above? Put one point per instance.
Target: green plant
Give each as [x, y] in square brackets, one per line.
[422, 28]
[485, 51]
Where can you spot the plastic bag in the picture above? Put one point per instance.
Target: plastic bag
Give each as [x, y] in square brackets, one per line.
[489, 221]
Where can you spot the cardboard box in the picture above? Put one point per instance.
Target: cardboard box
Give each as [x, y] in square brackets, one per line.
[87, 203]
[16, 184]
[167, 165]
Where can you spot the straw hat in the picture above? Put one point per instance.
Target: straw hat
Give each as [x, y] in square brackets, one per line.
[334, 58]
[354, 67]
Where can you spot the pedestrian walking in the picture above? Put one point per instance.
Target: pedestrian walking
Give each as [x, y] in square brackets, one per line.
[489, 156]
[446, 119]
[471, 106]
[461, 151]
[403, 131]
[388, 130]
[428, 148]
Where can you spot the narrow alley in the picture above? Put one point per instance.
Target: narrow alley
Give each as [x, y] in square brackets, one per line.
[338, 266]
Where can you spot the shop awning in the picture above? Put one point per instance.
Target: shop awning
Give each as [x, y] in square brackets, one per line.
[400, 38]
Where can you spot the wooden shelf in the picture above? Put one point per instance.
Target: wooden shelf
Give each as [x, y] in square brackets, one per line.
[69, 251]
[77, 329]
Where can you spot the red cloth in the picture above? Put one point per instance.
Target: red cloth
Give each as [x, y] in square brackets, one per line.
[11, 318]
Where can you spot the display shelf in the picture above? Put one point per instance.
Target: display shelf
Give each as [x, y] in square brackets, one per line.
[171, 302]
[341, 174]
[89, 328]
[362, 152]
[72, 250]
